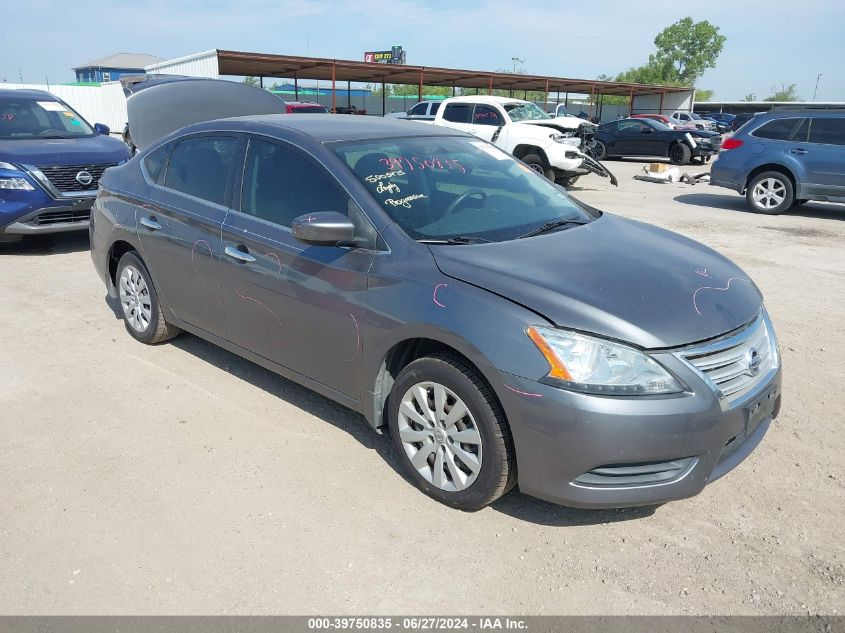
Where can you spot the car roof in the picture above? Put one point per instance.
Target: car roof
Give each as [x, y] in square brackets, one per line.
[329, 127]
[486, 99]
[786, 113]
[28, 94]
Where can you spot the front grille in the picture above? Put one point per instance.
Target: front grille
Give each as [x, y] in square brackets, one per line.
[639, 474]
[63, 177]
[57, 217]
[737, 364]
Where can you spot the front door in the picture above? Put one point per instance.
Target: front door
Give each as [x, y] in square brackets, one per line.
[180, 231]
[300, 306]
[635, 138]
[486, 121]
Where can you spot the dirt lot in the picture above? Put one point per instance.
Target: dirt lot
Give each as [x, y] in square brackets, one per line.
[180, 479]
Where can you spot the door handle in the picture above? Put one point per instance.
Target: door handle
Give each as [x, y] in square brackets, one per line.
[151, 223]
[238, 254]
[798, 151]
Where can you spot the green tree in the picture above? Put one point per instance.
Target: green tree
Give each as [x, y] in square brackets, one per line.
[750, 97]
[702, 94]
[686, 49]
[784, 93]
[251, 81]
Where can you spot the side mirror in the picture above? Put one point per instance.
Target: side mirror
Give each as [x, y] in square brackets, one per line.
[102, 129]
[323, 228]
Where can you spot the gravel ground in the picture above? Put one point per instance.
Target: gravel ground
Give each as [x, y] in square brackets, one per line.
[181, 479]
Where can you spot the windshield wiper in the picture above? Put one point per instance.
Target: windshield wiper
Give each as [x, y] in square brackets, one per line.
[551, 225]
[458, 239]
[65, 136]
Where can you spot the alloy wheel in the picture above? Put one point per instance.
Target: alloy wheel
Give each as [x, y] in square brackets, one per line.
[769, 193]
[440, 436]
[135, 299]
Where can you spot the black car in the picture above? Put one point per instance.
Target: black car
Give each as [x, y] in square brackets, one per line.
[647, 137]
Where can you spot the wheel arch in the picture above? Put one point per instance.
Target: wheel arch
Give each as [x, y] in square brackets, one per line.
[117, 250]
[779, 167]
[400, 355]
[523, 149]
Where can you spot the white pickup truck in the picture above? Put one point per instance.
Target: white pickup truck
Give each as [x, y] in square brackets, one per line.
[549, 145]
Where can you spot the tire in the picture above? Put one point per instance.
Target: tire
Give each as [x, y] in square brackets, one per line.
[565, 181]
[536, 163]
[139, 303]
[466, 485]
[799, 203]
[679, 154]
[599, 151]
[770, 192]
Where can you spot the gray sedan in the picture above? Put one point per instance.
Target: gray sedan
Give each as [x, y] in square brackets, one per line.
[502, 332]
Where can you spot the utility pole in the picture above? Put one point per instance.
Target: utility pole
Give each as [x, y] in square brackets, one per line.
[817, 86]
[517, 60]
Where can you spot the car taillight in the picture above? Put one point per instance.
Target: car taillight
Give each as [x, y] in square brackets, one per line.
[732, 143]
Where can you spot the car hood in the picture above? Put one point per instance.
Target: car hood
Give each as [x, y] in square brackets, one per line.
[614, 277]
[561, 123]
[91, 150]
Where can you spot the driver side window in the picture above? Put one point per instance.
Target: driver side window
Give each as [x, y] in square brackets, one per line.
[281, 183]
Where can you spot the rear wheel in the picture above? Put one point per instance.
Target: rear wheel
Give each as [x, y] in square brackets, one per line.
[139, 304]
[450, 433]
[770, 192]
[536, 163]
[679, 154]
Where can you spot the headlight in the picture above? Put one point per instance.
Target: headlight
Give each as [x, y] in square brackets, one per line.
[593, 365]
[20, 184]
[565, 140]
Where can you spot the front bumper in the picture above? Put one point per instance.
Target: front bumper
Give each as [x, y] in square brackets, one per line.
[52, 219]
[591, 451]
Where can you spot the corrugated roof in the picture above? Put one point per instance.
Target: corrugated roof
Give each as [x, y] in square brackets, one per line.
[287, 66]
[122, 60]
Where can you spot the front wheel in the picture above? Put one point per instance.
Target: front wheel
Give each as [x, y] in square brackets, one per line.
[139, 304]
[599, 150]
[770, 192]
[450, 433]
[536, 163]
[679, 154]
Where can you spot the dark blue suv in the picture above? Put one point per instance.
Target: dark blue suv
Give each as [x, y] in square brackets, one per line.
[785, 158]
[51, 161]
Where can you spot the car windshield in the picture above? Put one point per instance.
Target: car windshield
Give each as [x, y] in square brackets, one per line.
[658, 124]
[695, 116]
[28, 118]
[525, 112]
[455, 188]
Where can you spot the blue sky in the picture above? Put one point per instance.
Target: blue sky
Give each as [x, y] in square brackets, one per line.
[769, 42]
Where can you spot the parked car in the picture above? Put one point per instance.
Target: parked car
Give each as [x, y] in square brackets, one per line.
[665, 120]
[741, 119]
[304, 107]
[785, 158]
[723, 121]
[501, 331]
[51, 161]
[548, 145]
[647, 137]
[691, 118]
[352, 109]
[424, 110]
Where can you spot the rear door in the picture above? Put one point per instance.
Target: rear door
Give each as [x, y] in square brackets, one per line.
[824, 156]
[297, 305]
[179, 227]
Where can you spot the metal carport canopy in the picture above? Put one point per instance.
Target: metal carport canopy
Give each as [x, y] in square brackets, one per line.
[285, 66]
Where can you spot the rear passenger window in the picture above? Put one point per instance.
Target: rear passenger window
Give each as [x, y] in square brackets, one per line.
[280, 184]
[434, 108]
[779, 129]
[458, 112]
[829, 131]
[199, 166]
[154, 162]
